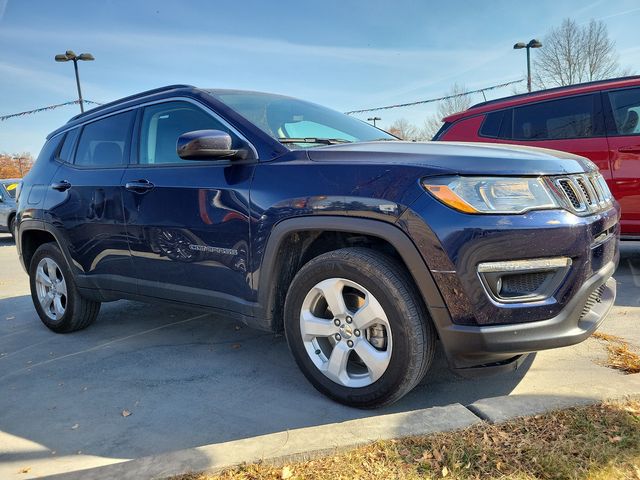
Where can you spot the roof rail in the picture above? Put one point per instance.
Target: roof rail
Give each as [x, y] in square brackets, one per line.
[130, 97]
[554, 89]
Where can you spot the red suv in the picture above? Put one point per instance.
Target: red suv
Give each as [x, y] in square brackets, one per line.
[598, 120]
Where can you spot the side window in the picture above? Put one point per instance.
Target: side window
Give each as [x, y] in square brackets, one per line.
[68, 144]
[105, 143]
[571, 117]
[162, 124]
[625, 109]
[492, 123]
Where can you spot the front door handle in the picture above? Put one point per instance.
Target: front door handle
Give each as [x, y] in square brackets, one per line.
[61, 186]
[633, 149]
[139, 186]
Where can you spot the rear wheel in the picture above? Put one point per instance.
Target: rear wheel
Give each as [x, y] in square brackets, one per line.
[55, 295]
[357, 329]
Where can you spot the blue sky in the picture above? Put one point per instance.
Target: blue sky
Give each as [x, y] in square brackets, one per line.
[346, 54]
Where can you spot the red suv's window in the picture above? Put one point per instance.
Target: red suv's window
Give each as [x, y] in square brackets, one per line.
[497, 124]
[572, 117]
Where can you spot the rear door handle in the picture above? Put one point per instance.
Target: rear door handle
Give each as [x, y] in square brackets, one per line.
[139, 186]
[634, 149]
[61, 186]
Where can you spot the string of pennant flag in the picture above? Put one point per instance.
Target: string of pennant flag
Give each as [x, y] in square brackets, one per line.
[439, 99]
[44, 109]
[365, 110]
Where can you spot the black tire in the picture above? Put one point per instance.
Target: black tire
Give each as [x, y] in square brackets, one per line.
[12, 227]
[411, 328]
[79, 312]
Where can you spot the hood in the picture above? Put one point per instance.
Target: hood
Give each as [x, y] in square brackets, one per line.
[458, 157]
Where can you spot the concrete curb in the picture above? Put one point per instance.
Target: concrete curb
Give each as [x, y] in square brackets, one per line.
[305, 443]
[299, 443]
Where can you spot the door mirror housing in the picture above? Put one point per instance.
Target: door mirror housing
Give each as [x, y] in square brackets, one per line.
[207, 145]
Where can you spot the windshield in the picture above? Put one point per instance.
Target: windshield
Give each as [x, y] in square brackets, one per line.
[297, 123]
[10, 188]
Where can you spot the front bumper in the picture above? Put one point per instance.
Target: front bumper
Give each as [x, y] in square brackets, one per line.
[502, 346]
[476, 330]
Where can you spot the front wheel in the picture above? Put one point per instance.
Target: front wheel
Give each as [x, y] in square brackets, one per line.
[55, 295]
[357, 328]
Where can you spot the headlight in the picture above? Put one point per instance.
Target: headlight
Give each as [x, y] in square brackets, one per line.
[491, 194]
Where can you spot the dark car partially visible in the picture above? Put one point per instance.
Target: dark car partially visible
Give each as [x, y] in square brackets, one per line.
[8, 188]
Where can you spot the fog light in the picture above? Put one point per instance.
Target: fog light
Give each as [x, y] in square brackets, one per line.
[523, 280]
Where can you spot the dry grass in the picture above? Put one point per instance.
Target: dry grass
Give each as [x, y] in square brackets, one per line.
[597, 442]
[620, 355]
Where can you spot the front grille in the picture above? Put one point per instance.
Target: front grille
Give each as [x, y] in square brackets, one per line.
[522, 284]
[594, 298]
[583, 188]
[571, 194]
[583, 193]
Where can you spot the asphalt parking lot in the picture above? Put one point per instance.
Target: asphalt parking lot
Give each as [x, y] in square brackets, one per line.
[147, 379]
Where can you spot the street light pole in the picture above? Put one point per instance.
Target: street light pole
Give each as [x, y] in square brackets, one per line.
[75, 67]
[69, 55]
[532, 44]
[373, 119]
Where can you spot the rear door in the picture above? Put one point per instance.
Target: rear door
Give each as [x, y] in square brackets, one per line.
[188, 220]
[86, 201]
[622, 109]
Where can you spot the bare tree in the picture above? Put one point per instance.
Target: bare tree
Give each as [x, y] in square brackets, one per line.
[403, 129]
[457, 102]
[573, 53]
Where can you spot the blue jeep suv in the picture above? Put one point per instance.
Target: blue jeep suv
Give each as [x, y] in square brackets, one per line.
[289, 216]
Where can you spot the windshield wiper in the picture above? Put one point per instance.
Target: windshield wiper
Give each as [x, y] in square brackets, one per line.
[323, 141]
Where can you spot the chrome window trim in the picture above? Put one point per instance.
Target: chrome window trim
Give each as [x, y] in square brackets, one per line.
[201, 105]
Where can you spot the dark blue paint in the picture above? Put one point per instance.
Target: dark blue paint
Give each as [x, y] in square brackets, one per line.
[200, 235]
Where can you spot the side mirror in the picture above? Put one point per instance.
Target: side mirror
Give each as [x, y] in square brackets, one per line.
[207, 145]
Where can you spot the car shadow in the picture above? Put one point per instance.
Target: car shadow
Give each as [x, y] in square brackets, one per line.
[186, 378]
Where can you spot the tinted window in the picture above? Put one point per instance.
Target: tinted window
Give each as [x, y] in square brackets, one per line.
[492, 123]
[556, 119]
[105, 142]
[162, 125]
[67, 146]
[625, 107]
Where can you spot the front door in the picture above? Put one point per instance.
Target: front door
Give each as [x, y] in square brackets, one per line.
[188, 221]
[623, 134]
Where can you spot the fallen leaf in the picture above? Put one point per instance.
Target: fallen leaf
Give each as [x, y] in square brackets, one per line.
[235, 346]
[615, 439]
[126, 413]
[75, 426]
[25, 470]
[286, 473]
[445, 471]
